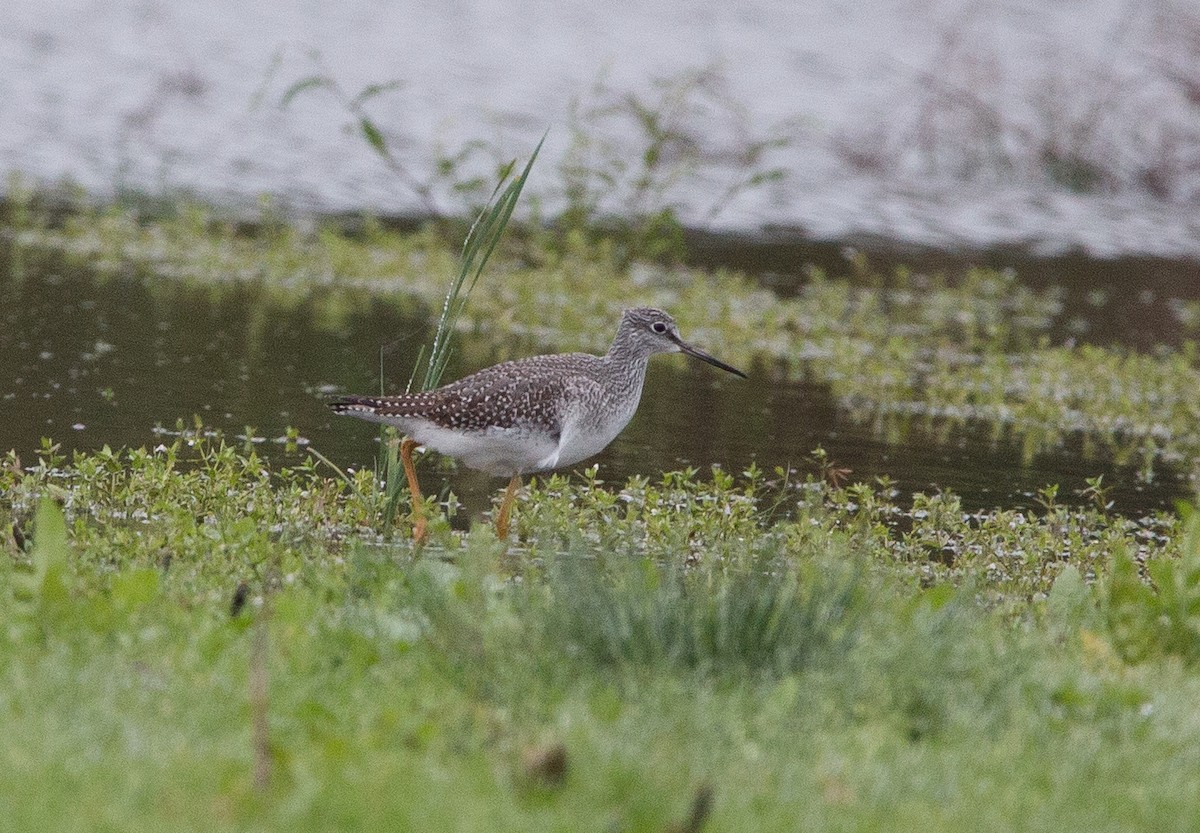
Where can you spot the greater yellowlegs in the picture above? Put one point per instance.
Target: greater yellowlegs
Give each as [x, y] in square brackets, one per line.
[529, 415]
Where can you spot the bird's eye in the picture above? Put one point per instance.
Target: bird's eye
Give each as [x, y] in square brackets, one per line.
[658, 327]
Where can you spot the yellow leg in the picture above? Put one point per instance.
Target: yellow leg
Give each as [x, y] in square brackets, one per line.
[418, 505]
[502, 516]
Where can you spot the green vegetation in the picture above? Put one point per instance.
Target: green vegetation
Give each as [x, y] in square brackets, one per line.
[481, 241]
[632, 162]
[892, 349]
[192, 641]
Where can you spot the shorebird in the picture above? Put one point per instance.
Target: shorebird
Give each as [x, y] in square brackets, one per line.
[529, 415]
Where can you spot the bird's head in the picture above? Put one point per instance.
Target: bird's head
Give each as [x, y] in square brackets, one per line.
[645, 331]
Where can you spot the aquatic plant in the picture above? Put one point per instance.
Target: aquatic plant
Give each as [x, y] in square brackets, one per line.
[630, 193]
[899, 351]
[784, 656]
[1088, 123]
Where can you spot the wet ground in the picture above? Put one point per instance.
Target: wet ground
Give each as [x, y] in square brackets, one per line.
[1136, 301]
[118, 362]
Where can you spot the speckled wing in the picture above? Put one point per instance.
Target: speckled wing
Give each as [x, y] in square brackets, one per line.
[532, 394]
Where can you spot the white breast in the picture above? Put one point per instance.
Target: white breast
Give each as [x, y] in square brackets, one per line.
[581, 438]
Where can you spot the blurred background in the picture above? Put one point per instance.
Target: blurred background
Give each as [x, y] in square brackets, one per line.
[1054, 126]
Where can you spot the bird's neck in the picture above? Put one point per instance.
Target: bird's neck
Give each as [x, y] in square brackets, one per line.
[624, 374]
[624, 361]
[625, 365]
[624, 349]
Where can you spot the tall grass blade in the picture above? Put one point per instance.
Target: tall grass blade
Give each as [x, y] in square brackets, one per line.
[345, 478]
[374, 135]
[481, 240]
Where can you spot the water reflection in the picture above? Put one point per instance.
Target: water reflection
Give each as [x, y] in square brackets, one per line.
[90, 363]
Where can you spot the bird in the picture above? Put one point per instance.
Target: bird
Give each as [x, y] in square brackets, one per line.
[529, 415]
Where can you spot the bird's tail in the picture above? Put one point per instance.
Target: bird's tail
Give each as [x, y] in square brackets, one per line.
[373, 408]
[354, 404]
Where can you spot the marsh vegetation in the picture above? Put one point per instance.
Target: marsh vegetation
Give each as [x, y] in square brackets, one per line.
[210, 630]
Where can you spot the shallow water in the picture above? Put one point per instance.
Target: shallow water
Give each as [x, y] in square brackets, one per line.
[1137, 301]
[877, 116]
[118, 362]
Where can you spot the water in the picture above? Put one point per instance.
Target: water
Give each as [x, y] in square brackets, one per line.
[1131, 300]
[932, 121]
[89, 363]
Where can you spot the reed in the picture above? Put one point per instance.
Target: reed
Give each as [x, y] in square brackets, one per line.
[480, 242]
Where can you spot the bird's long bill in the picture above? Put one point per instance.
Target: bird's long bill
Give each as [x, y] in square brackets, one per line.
[704, 357]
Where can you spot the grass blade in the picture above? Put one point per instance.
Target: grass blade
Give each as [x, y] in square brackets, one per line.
[480, 242]
[312, 82]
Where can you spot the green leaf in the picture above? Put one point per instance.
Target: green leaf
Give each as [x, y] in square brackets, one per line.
[1069, 598]
[1132, 610]
[312, 82]
[47, 590]
[50, 548]
[938, 596]
[372, 90]
[374, 136]
[1190, 544]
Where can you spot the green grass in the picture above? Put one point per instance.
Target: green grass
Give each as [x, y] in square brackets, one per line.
[776, 646]
[481, 240]
[193, 640]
